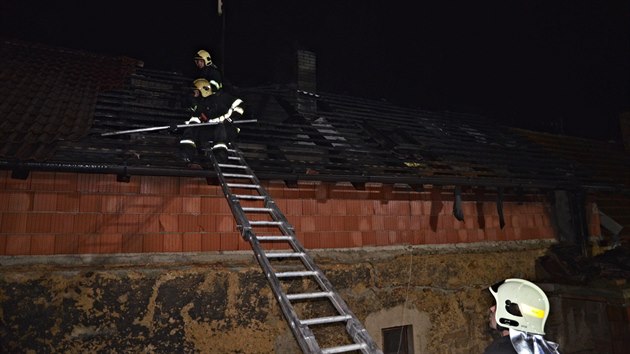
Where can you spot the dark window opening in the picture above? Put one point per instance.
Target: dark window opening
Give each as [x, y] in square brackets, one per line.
[398, 340]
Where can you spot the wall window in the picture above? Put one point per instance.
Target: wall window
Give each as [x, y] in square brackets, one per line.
[398, 340]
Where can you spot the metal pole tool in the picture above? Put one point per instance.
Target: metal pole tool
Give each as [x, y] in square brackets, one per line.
[179, 126]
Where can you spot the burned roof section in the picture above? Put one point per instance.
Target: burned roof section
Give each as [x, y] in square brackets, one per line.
[297, 135]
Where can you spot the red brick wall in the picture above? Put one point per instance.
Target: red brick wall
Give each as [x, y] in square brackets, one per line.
[70, 213]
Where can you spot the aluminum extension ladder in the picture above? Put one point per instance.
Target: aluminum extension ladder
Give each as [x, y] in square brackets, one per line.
[296, 281]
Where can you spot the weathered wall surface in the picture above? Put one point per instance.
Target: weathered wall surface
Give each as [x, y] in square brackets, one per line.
[221, 303]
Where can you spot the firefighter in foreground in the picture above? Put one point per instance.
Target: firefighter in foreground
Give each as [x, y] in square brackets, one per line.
[210, 106]
[519, 315]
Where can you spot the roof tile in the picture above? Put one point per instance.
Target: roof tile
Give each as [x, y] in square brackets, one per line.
[49, 94]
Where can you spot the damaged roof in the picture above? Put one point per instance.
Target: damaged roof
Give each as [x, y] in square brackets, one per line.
[57, 103]
[49, 95]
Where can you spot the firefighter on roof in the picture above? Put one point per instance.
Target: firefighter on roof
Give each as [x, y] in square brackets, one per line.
[207, 70]
[210, 106]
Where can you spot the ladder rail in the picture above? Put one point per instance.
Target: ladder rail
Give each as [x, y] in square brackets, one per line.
[300, 328]
[303, 334]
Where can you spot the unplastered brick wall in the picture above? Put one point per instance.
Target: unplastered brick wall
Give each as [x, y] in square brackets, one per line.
[72, 213]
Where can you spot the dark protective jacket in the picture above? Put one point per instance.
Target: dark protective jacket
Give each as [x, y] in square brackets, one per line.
[221, 108]
[501, 345]
[213, 75]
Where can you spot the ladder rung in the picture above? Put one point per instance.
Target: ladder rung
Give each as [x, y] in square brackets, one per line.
[344, 348]
[242, 185]
[304, 273]
[266, 223]
[284, 254]
[322, 320]
[309, 295]
[247, 196]
[274, 238]
[227, 165]
[254, 209]
[236, 175]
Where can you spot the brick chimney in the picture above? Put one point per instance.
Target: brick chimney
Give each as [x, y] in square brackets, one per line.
[297, 68]
[306, 80]
[306, 71]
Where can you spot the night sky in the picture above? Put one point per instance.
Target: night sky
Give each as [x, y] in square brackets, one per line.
[557, 66]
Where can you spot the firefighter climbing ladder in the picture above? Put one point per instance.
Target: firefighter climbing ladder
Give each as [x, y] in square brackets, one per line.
[286, 264]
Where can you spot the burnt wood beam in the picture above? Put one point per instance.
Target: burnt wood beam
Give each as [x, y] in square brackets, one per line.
[500, 207]
[457, 204]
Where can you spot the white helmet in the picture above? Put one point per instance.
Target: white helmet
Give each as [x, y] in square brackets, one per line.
[204, 87]
[521, 305]
[204, 55]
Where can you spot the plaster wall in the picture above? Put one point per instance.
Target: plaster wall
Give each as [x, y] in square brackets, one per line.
[220, 302]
